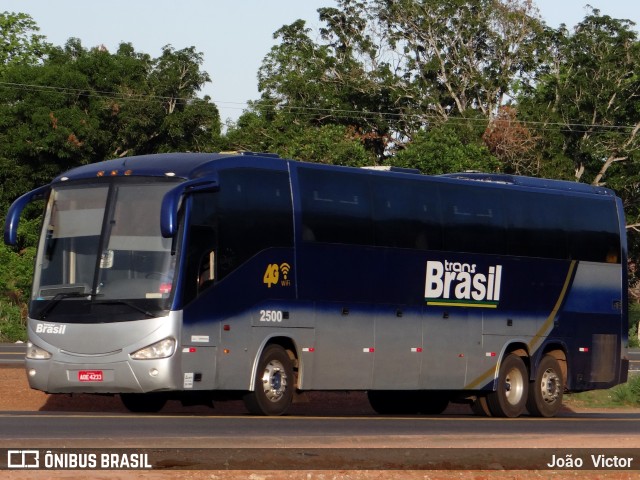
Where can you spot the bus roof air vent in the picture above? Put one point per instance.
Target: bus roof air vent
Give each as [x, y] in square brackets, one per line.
[390, 168]
[483, 177]
[532, 182]
[246, 153]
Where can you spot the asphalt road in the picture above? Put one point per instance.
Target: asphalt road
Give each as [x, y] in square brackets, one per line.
[12, 352]
[366, 442]
[239, 430]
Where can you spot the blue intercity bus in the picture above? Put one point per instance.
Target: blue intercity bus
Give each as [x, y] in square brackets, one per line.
[244, 275]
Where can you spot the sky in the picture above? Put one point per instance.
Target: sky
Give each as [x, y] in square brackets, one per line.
[233, 36]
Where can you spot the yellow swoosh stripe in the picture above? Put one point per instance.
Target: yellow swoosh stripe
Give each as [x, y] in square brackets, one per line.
[542, 331]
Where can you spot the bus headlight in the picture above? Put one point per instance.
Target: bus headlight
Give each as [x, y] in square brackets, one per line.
[36, 353]
[162, 349]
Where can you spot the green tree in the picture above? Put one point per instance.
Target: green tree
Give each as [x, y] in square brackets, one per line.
[452, 146]
[188, 123]
[457, 55]
[81, 106]
[19, 41]
[78, 106]
[590, 91]
[267, 130]
[326, 84]
[584, 106]
[389, 70]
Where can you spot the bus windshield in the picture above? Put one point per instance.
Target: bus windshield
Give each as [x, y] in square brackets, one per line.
[102, 242]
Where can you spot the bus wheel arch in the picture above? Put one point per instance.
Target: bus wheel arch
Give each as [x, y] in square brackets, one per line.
[275, 379]
[560, 355]
[291, 349]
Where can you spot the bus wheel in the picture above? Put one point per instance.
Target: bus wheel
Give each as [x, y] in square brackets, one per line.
[273, 390]
[143, 402]
[545, 392]
[510, 397]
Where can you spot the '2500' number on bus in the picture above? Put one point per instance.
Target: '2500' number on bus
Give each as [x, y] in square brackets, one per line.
[271, 315]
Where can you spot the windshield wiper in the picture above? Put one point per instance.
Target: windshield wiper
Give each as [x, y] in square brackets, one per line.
[128, 304]
[53, 303]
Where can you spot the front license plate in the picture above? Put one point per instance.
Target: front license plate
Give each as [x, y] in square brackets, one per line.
[90, 376]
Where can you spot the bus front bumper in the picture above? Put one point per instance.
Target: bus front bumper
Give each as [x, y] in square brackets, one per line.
[118, 377]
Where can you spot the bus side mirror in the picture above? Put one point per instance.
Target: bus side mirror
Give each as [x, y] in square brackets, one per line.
[13, 215]
[171, 202]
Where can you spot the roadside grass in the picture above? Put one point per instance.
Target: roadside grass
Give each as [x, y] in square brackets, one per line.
[12, 322]
[634, 320]
[626, 395]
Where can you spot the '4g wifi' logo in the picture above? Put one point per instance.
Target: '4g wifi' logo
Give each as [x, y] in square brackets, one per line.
[274, 271]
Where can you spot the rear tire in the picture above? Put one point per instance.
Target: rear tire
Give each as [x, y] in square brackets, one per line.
[143, 402]
[545, 392]
[273, 389]
[510, 398]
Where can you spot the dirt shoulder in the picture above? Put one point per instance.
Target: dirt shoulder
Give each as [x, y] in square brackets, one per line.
[16, 395]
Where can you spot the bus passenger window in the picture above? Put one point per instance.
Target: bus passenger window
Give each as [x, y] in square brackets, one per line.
[336, 207]
[473, 219]
[593, 230]
[405, 214]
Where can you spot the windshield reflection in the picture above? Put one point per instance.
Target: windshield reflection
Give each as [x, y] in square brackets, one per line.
[103, 242]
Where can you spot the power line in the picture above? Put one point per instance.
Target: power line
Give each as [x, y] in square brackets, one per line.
[309, 112]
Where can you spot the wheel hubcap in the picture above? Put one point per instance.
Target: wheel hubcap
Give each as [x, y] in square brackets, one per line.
[274, 380]
[550, 386]
[514, 386]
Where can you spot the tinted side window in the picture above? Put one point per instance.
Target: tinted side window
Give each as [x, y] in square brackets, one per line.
[336, 207]
[594, 234]
[563, 226]
[537, 225]
[473, 219]
[406, 214]
[251, 212]
[254, 213]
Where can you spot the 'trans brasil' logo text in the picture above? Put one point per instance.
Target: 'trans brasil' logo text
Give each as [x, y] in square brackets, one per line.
[462, 284]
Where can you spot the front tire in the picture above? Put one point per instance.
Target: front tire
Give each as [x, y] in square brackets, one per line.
[545, 392]
[273, 389]
[510, 398]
